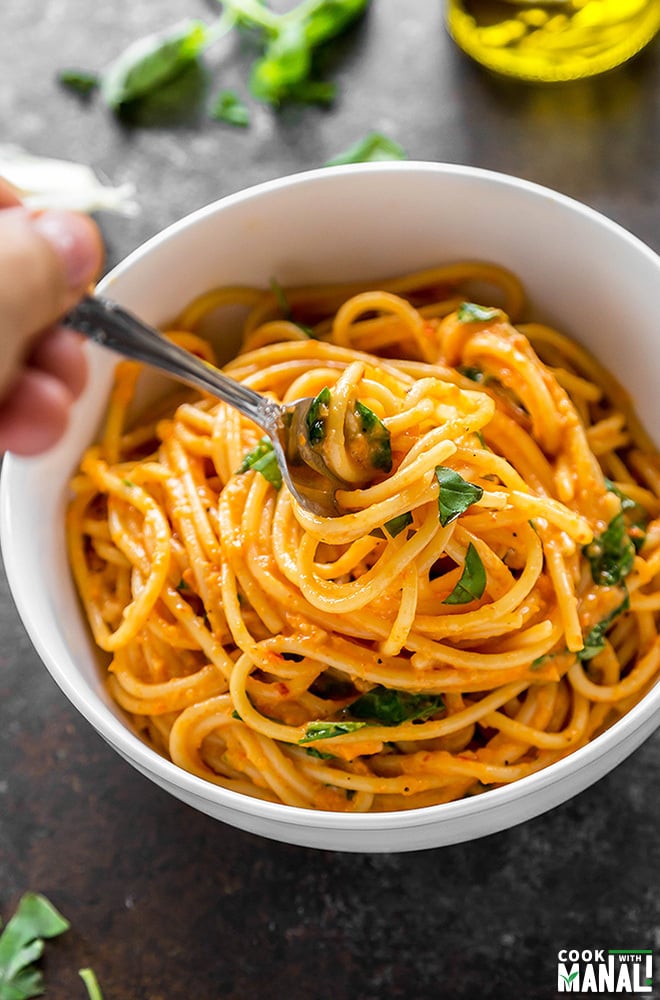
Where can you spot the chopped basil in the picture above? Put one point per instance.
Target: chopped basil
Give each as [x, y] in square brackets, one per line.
[228, 107]
[316, 415]
[285, 306]
[319, 754]
[391, 708]
[540, 661]
[182, 585]
[371, 149]
[326, 730]
[594, 641]
[377, 435]
[472, 583]
[634, 515]
[455, 494]
[470, 312]
[235, 715]
[79, 80]
[150, 62]
[472, 372]
[397, 524]
[263, 459]
[611, 554]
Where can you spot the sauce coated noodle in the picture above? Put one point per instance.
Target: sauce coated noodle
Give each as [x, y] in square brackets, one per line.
[485, 603]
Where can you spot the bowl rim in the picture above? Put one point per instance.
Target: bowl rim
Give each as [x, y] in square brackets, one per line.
[625, 731]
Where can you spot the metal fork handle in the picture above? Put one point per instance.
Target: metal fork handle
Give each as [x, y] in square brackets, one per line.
[112, 326]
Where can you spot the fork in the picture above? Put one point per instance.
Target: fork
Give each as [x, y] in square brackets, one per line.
[109, 324]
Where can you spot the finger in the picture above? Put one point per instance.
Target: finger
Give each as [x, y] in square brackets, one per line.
[46, 261]
[59, 352]
[34, 414]
[8, 195]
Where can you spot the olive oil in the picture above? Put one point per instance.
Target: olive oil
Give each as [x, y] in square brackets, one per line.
[552, 40]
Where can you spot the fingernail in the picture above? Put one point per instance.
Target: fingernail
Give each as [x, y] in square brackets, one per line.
[75, 240]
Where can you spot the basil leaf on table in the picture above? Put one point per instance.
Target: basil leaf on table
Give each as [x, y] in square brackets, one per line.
[21, 945]
[79, 80]
[373, 148]
[228, 107]
[472, 583]
[150, 62]
[286, 62]
[290, 39]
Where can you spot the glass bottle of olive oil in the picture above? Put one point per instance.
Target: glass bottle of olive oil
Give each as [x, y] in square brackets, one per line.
[552, 40]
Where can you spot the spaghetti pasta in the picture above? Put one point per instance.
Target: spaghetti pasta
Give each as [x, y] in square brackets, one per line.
[485, 602]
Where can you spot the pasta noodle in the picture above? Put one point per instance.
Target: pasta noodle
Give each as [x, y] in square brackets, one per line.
[485, 602]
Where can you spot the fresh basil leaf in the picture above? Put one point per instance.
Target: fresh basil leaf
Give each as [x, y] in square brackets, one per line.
[319, 754]
[391, 708]
[326, 730]
[470, 312]
[455, 494]
[263, 459]
[228, 107]
[21, 944]
[611, 555]
[397, 524]
[316, 416]
[285, 306]
[472, 372]
[594, 641]
[377, 435]
[330, 18]
[312, 92]
[472, 583]
[371, 149]
[635, 516]
[287, 61]
[281, 298]
[283, 73]
[152, 61]
[79, 80]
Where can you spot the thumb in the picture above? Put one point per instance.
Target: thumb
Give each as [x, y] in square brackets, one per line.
[46, 261]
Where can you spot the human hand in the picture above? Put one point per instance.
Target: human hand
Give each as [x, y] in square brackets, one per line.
[47, 260]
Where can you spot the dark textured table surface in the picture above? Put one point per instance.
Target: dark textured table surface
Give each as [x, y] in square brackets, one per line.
[165, 903]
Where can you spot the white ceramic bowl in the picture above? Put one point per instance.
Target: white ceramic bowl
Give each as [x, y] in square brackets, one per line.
[581, 272]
